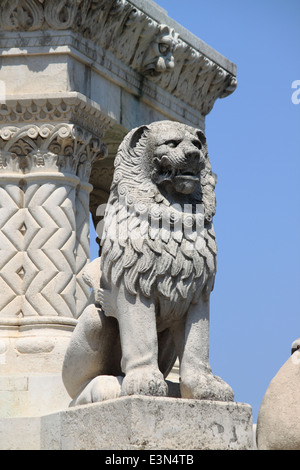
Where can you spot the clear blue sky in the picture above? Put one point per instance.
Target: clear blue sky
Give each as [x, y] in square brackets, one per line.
[254, 145]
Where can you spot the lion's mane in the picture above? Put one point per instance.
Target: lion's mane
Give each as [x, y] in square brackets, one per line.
[153, 260]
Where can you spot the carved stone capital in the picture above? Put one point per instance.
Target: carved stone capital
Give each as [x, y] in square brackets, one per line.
[64, 148]
[60, 134]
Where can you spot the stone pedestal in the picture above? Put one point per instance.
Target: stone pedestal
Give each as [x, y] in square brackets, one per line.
[135, 423]
[147, 423]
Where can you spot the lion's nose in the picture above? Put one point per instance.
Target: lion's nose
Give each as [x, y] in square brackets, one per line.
[193, 156]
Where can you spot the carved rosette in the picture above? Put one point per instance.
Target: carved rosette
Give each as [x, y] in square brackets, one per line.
[44, 218]
[154, 50]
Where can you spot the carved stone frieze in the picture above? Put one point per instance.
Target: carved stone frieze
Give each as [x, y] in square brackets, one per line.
[21, 15]
[152, 49]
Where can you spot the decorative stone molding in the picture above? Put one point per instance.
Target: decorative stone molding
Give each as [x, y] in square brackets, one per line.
[154, 50]
[67, 107]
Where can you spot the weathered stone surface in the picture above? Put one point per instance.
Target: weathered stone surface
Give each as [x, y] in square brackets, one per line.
[278, 424]
[32, 395]
[154, 278]
[136, 423]
[20, 433]
[75, 75]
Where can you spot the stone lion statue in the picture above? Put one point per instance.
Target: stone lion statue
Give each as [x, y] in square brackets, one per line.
[152, 282]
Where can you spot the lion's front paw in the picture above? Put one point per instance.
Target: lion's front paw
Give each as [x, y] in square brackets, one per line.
[144, 382]
[102, 387]
[206, 386]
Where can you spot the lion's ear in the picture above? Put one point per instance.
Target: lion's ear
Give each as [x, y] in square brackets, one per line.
[201, 137]
[137, 134]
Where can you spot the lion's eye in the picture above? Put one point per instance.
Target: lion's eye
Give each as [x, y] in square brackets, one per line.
[172, 143]
[197, 144]
[163, 48]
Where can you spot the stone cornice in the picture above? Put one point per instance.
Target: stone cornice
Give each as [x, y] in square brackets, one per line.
[160, 15]
[166, 53]
[103, 62]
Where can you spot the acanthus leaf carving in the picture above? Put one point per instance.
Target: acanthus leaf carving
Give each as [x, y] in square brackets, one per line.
[61, 148]
[61, 14]
[25, 15]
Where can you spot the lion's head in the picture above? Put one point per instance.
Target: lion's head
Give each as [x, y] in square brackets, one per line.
[178, 155]
[158, 53]
[169, 158]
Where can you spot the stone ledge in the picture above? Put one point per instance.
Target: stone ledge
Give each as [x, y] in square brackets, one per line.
[149, 423]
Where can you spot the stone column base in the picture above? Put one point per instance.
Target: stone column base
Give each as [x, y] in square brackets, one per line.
[33, 345]
[149, 423]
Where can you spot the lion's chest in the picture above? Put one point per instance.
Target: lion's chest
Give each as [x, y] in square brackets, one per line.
[167, 265]
[174, 307]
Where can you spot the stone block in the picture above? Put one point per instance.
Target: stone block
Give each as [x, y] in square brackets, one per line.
[149, 423]
[27, 396]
